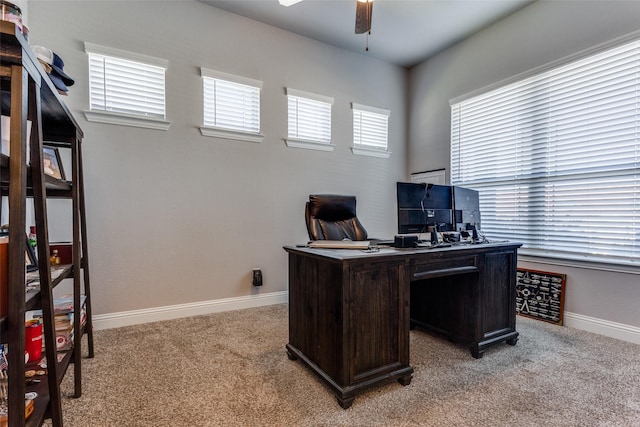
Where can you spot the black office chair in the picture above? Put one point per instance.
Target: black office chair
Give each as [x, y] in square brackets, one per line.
[333, 217]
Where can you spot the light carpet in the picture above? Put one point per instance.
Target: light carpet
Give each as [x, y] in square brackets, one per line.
[231, 369]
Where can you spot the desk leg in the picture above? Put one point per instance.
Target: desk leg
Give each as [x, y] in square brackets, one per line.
[405, 380]
[477, 350]
[345, 402]
[291, 356]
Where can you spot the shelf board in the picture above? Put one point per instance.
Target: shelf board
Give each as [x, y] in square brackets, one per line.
[40, 403]
[56, 188]
[32, 297]
[66, 272]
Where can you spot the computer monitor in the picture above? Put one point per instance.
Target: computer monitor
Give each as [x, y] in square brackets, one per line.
[466, 205]
[421, 206]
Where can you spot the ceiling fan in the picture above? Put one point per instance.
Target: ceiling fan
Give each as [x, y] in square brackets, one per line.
[364, 9]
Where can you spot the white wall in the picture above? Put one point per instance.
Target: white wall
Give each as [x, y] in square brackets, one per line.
[175, 217]
[538, 34]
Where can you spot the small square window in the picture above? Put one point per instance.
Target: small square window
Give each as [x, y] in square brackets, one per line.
[231, 106]
[370, 130]
[125, 85]
[309, 120]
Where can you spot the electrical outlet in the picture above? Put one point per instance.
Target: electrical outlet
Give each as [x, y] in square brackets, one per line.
[257, 277]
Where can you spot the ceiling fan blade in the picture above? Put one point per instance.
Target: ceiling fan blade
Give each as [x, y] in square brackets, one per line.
[363, 16]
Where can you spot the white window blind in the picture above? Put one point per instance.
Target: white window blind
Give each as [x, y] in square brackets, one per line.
[556, 158]
[370, 127]
[231, 102]
[120, 84]
[309, 116]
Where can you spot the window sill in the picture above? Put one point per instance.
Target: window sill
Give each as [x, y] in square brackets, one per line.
[231, 134]
[575, 261]
[126, 120]
[309, 145]
[371, 152]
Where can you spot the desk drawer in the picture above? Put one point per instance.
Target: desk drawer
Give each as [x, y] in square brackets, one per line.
[427, 269]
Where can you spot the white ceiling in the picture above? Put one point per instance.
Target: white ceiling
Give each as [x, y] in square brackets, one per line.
[403, 32]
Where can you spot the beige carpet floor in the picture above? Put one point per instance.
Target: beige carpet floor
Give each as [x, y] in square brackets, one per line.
[231, 369]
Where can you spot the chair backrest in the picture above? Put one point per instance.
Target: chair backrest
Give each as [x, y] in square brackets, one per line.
[333, 217]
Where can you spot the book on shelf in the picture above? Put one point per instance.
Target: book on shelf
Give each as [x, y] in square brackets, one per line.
[33, 277]
[64, 304]
[63, 319]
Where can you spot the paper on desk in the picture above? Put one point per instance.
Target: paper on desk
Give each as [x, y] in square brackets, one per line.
[340, 244]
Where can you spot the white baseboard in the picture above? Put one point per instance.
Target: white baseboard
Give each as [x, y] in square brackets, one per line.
[135, 317]
[125, 318]
[602, 327]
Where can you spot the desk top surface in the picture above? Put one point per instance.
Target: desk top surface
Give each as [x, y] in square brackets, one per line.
[386, 251]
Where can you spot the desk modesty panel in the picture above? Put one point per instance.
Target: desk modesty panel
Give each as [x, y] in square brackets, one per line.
[350, 311]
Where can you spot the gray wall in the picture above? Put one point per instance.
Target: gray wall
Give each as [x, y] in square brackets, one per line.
[175, 217]
[543, 32]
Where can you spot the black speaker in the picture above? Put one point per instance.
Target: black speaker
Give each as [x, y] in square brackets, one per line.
[405, 241]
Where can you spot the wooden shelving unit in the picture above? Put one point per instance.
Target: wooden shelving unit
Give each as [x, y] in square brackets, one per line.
[29, 98]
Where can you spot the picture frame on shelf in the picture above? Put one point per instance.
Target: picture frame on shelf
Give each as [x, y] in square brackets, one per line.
[52, 164]
[30, 260]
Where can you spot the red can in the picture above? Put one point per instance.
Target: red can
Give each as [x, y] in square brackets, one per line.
[33, 346]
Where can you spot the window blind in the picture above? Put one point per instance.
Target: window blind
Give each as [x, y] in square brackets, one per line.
[370, 127]
[231, 105]
[556, 158]
[124, 86]
[309, 118]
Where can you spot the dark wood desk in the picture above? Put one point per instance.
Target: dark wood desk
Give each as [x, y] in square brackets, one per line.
[350, 311]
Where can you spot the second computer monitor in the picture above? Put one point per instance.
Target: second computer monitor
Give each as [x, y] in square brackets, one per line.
[466, 205]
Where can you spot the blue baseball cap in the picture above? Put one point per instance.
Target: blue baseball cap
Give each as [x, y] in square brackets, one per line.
[58, 66]
[57, 75]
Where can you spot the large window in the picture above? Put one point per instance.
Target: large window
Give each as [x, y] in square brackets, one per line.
[231, 106]
[126, 88]
[556, 158]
